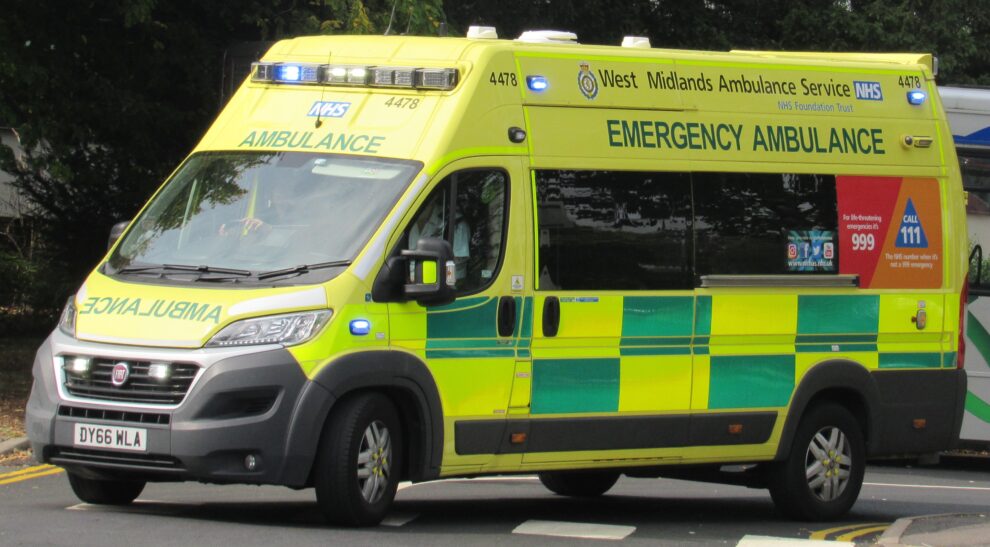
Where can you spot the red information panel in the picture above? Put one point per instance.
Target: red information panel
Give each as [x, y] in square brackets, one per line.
[890, 231]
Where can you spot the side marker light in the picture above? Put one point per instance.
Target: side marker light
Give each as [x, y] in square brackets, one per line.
[360, 327]
[537, 83]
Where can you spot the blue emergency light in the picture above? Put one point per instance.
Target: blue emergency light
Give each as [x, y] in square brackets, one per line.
[537, 83]
[360, 327]
[288, 73]
[916, 97]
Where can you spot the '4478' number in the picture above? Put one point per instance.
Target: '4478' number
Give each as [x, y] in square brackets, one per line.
[503, 78]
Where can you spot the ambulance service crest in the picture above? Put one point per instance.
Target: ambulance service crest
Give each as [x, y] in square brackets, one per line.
[586, 81]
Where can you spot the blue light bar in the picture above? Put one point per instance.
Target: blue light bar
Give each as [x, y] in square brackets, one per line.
[916, 97]
[288, 73]
[360, 327]
[537, 83]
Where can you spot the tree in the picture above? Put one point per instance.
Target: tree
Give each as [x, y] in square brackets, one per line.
[110, 95]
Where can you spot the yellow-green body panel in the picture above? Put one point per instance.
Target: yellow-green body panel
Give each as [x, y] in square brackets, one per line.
[718, 350]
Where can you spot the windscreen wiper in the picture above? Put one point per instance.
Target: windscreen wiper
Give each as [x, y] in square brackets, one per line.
[302, 268]
[163, 268]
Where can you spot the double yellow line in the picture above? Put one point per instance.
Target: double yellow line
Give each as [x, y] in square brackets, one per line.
[850, 532]
[29, 473]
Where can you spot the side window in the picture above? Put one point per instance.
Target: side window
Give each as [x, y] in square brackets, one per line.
[469, 210]
[765, 224]
[975, 167]
[614, 230]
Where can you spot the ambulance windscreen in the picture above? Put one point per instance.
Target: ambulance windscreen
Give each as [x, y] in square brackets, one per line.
[261, 212]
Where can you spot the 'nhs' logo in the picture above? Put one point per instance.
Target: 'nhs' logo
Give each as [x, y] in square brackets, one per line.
[868, 91]
[329, 109]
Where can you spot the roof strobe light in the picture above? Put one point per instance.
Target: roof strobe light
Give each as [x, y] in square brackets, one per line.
[392, 76]
[346, 75]
[262, 72]
[436, 78]
[295, 73]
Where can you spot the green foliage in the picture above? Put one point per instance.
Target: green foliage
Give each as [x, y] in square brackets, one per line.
[109, 96]
[285, 18]
[955, 30]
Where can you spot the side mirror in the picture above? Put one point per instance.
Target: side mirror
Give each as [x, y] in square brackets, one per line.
[116, 232]
[431, 272]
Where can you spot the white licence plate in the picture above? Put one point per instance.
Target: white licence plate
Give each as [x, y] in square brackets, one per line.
[106, 436]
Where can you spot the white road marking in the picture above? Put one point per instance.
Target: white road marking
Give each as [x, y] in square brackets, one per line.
[398, 519]
[926, 486]
[118, 508]
[761, 541]
[407, 484]
[583, 530]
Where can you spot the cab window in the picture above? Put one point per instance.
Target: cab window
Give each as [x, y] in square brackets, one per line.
[467, 209]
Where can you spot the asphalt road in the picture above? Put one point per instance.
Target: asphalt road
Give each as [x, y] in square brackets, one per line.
[38, 508]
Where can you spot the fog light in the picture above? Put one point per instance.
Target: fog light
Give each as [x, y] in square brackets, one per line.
[250, 462]
[80, 364]
[159, 371]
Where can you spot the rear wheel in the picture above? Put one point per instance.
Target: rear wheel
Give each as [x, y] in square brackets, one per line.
[584, 484]
[105, 492]
[359, 461]
[822, 476]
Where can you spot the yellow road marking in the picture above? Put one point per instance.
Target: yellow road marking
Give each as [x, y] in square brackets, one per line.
[26, 470]
[848, 528]
[45, 473]
[862, 532]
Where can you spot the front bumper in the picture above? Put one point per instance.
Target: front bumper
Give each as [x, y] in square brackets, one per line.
[244, 401]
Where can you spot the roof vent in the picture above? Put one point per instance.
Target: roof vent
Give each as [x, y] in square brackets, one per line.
[482, 33]
[548, 36]
[636, 41]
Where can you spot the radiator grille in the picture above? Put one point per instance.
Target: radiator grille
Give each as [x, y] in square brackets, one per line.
[91, 378]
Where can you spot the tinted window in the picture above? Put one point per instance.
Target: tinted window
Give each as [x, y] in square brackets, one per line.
[975, 167]
[765, 224]
[468, 209]
[613, 230]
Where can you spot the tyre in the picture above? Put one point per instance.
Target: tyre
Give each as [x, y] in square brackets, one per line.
[359, 461]
[105, 492]
[822, 476]
[583, 484]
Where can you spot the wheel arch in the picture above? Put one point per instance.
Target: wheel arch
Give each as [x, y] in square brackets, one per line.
[841, 381]
[402, 377]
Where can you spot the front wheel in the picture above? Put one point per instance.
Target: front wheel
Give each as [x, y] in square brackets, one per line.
[359, 461]
[582, 484]
[105, 492]
[822, 476]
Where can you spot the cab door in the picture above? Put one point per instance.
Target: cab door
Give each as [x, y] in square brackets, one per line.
[471, 344]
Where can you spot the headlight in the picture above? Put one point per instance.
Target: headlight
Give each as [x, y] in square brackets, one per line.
[288, 329]
[67, 323]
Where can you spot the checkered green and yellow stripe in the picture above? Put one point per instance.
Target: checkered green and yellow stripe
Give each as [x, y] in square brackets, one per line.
[620, 353]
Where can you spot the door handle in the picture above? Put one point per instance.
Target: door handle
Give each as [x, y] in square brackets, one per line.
[506, 316]
[551, 316]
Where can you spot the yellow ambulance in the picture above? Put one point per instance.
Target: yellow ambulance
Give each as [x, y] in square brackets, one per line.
[403, 258]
